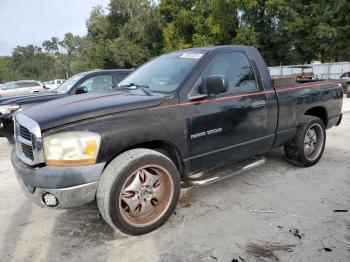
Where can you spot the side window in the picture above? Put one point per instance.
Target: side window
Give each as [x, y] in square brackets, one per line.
[99, 83]
[31, 84]
[27, 84]
[236, 67]
[22, 85]
[88, 84]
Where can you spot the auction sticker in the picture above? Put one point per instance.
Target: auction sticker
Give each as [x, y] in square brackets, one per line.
[191, 55]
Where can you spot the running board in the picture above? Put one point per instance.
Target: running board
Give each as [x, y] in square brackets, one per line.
[227, 173]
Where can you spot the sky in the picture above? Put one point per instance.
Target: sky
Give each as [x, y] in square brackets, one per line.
[24, 22]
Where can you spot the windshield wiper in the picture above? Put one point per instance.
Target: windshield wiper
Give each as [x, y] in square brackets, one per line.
[144, 88]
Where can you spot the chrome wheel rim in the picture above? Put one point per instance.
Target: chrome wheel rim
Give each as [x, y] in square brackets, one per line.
[313, 142]
[146, 195]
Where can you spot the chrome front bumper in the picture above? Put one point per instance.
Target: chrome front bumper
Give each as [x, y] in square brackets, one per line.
[72, 186]
[67, 197]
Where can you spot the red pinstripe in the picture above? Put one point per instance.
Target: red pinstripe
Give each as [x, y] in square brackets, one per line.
[247, 94]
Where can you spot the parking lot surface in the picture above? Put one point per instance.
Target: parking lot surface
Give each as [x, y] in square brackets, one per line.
[277, 202]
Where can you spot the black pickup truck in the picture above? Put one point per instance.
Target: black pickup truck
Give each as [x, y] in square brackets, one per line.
[87, 82]
[179, 114]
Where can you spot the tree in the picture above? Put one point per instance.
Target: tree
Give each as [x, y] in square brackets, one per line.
[179, 24]
[216, 21]
[127, 36]
[98, 24]
[198, 23]
[31, 62]
[67, 53]
[5, 73]
[72, 47]
[52, 46]
[331, 29]
[129, 32]
[297, 31]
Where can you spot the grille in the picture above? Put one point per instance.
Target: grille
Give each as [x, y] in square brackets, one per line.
[24, 132]
[27, 151]
[28, 140]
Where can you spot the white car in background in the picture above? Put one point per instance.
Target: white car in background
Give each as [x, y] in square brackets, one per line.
[53, 84]
[21, 87]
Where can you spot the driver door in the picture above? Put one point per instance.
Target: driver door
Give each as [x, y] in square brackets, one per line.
[229, 126]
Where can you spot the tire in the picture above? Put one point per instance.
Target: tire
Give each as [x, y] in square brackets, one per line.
[11, 140]
[348, 95]
[138, 178]
[299, 151]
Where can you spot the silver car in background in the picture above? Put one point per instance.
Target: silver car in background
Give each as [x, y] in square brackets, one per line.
[21, 87]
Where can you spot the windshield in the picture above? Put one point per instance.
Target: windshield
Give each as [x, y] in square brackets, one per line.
[66, 86]
[10, 85]
[163, 74]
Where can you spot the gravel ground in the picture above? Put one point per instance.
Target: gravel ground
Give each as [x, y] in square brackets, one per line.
[277, 203]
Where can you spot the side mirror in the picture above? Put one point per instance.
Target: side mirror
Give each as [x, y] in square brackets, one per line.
[3, 88]
[81, 90]
[214, 85]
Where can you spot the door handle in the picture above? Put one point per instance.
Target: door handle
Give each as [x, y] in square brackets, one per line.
[259, 103]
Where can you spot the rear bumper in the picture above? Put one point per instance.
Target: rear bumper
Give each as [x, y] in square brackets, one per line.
[73, 186]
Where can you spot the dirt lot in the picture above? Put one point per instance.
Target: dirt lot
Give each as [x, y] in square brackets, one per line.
[211, 223]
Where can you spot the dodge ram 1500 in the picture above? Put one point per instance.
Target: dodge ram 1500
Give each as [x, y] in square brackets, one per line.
[179, 114]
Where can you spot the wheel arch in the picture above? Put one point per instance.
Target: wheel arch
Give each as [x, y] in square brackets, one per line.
[164, 147]
[320, 112]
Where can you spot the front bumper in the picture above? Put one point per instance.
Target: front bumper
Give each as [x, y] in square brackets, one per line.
[67, 197]
[73, 186]
[6, 126]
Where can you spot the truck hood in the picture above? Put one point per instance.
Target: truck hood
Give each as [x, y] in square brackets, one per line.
[30, 98]
[79, 107]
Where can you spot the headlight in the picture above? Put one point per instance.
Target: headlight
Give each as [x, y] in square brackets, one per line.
[71, 148]
[9, 109]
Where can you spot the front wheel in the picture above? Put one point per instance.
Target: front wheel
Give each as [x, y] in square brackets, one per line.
[138, 191]
[307, 147]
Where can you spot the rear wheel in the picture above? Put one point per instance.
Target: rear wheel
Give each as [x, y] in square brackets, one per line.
[138, 191]
[307, 147]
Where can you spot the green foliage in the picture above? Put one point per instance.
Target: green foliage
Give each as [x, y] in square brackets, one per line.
[198, 23]
[127, 36]
[129, 32]
[6, 74]
[30, 62]
[130, 56]
[247, 35]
